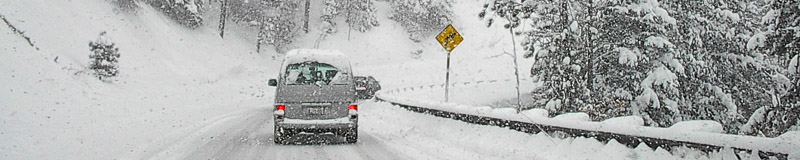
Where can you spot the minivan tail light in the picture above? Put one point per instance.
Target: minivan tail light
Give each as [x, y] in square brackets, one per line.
[279, 109]
[353, 111]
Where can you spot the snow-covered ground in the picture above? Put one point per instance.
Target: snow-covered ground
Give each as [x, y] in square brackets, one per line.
[188, 94]
[171, 78]
[697, 131]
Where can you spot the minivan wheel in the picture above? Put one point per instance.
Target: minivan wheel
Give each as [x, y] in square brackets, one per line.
[351, 135]
[279, 136]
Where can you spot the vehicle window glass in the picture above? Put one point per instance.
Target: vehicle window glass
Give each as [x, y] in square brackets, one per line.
[315, 73]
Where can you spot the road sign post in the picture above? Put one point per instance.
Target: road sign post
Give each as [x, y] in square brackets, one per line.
[447, 80]
[449, 38]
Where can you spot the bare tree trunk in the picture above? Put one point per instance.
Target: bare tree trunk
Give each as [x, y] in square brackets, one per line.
[516, 68]
[590, 52]
[565, 46]
[260, 38]
[305, 23]
[223, 15]
[349, 25]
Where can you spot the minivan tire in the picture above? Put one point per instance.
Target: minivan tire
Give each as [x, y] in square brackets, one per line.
[279, 136]
[351, 135]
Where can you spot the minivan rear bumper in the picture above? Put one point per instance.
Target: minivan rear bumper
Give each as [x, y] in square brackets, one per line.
[344, 122]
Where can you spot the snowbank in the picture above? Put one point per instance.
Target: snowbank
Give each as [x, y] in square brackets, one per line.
[698, 126]
[699, 132]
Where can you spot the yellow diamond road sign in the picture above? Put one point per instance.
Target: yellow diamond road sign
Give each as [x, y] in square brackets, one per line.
[449, 38]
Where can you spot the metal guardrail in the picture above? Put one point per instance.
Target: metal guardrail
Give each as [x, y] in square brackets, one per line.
[528, 127]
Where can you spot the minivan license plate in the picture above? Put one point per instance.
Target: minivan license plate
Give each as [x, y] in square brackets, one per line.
[316, 110]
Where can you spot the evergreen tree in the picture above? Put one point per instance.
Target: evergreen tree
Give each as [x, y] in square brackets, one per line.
[104, 57]
[361, 15]
[329, 13]
[422, 19]
[186, 12]
[621, 63]
[358, 14]
[126, 5]
[563, 43]
[666, 61]
[279, 24]
[647, 42]
[782, 21]
[780, 39]
[244, 11]
[556, 64]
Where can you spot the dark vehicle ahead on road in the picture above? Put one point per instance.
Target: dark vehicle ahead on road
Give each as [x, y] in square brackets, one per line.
[315, 94]
[366, 86]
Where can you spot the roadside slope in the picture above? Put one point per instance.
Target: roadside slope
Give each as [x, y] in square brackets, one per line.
[170, 78]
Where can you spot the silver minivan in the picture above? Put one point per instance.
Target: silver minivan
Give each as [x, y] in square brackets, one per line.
[315, 94]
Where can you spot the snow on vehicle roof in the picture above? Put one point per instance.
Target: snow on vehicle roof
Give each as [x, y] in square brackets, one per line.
[335, 58]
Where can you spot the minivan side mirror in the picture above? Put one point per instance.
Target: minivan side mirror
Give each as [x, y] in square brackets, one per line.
[273, 82]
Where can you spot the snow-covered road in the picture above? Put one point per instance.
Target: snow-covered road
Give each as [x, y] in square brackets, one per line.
[384, 134]
[248, 135]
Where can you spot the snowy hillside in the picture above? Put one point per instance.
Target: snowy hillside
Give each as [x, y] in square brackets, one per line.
[170, 78]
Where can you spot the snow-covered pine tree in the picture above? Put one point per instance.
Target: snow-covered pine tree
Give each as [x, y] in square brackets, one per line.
[562, 54]
[565, 43]
[620, 64]
[186, 12]
[723, 81]
[561, 41]
[279, 24]
[329, 13]
[103, 59]
[126, 5]
[422, 19]
[358, 14]
[782, 29]
[779, 40]
[243, 11]
[361, 15]
[588, 50]
[649, 28]
[665, 61]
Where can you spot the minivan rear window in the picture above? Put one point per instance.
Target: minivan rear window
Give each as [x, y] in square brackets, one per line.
[314, 73]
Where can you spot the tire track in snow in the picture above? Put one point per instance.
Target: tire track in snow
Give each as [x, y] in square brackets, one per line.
[171, 142]
[248, 135]
[244, 141]
[383, 135]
